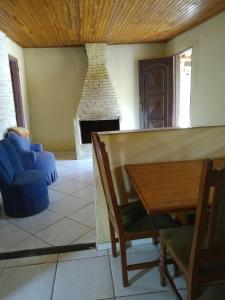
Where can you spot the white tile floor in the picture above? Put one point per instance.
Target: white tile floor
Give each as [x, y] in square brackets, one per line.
[88, 275]
[70, 217]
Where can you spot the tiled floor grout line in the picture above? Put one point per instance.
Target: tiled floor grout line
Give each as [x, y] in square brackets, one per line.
[81, 258]
[34, 234]
[32, 263]
[40, 229]
[80, 223]
[149, 293]
[3, 268]
[72, 211]
[67, 194]
[111, 273]
[71, 194]
[81, 236]
[53, 285]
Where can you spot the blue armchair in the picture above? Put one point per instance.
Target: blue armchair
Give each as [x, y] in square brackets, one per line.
[24, 193]
[33, 157]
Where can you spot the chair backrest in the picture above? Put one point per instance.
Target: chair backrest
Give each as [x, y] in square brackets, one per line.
[208, 246]
[10, 164]
[19, 142]
[107, 182]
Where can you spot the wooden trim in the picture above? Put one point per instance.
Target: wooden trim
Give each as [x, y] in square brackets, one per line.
[46, 251]
[17, 96]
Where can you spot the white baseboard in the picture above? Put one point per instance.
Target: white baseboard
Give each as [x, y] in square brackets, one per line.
[107, 246]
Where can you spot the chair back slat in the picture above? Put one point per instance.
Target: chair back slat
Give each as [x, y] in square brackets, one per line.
[107, 181]
[209, 238]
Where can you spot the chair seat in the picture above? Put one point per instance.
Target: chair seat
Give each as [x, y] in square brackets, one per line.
[130, 212]
[135, 219]
[28, 177]
[180, 241]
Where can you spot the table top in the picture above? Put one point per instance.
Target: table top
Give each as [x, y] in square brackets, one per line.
[168, 186]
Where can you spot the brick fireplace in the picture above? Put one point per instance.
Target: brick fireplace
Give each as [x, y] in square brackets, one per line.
[98, 109]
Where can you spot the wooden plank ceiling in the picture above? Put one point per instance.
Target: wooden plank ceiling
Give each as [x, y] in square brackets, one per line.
[55, 23]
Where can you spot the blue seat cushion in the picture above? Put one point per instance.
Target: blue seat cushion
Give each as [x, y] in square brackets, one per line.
[29, 177]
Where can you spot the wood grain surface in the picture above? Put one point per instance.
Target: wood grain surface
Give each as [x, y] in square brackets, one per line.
[168, 186]
[54, 23]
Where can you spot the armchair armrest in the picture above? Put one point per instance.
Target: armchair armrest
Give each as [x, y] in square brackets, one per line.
[28, 158]
[36, 147]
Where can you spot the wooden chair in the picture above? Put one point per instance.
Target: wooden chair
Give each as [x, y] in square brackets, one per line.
[199, 250]
[129, 221]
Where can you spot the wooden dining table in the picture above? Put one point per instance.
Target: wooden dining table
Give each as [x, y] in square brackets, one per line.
[168, 187]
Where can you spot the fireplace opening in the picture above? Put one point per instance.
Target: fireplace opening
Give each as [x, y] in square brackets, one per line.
[86, 127]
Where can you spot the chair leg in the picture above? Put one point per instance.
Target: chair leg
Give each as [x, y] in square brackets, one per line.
[176, 270]
[155, 240]
[113, 239]
[192, 291]
[164, 272]
[162, 264]
[124, 262]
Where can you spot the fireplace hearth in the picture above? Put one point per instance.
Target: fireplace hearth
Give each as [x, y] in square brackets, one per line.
[86, 127]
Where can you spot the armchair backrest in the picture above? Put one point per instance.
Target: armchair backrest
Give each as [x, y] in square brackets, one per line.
[10, 164]
[208, 246]
[19, 142]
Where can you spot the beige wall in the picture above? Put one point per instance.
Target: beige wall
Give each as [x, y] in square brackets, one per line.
[208, 66]
[55, 78]
[17, 52]
[123, 70]
[151, 146]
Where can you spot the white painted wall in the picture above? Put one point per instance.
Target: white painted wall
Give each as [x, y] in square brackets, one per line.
[208, 69]
[17, 52]
[123, 70]
[7, 110]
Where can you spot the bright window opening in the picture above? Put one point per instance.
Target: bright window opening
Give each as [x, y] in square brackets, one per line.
[183, 88]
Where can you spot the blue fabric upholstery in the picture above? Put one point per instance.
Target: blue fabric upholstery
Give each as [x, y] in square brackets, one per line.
[24, 193]
[36, 147]
[33, 157]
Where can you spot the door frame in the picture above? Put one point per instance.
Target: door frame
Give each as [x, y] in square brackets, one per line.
[141, 90]
[17, 97]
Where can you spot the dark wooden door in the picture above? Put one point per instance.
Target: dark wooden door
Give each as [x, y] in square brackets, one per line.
[14, 70]
[156, 92]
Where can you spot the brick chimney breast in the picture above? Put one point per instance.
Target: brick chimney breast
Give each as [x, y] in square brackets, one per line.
[98, 99]
[98, 103]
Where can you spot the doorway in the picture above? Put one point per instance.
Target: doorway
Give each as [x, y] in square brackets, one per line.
[183, 88]
[15, 79]
[156, 92]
